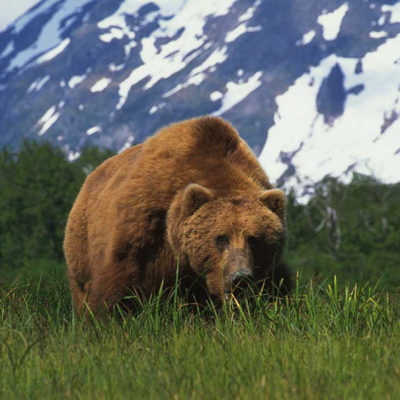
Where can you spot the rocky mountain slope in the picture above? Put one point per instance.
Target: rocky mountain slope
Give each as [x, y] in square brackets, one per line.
[312, 85]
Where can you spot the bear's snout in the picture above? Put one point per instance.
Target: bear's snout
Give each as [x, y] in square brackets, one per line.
[241, 280]
[241, 274]
[238, 270]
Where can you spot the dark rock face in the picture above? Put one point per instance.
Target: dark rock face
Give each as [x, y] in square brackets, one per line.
[332, 95]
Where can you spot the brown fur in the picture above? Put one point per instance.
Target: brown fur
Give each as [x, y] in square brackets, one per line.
[166, 201]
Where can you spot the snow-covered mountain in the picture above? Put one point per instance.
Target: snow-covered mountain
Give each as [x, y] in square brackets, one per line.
[312, 85]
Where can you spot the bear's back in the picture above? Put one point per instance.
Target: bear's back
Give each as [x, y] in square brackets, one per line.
[109, 175]
[195, 150]
[205, 150]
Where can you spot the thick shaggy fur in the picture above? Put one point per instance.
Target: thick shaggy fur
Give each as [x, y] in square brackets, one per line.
[166, 201]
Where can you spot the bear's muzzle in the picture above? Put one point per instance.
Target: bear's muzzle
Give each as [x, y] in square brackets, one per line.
[238, 271]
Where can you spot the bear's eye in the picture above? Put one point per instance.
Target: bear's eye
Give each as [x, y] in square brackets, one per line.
[222, 242]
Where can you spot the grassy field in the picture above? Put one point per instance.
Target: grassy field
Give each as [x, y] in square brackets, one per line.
[323, 343]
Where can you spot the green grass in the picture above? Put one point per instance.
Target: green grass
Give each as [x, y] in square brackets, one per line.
[324, 342]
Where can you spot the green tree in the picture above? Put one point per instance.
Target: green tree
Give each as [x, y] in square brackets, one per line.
[351, 230]
[38, 186]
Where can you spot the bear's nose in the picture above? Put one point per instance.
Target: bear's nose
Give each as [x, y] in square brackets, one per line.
[241, 279]
[241, 274]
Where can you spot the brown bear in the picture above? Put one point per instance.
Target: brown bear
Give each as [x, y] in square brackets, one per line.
[192, 198]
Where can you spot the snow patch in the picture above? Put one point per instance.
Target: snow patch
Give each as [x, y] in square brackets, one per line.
[306, 38]
[236, 92]
[127, 144]
[381, 20]
[394, 10]
[118, 26]
[47, 120]
[331, 22]
[53, 53]
[197, 76]
[93, 129]
[378, 34]
[353, 138]
[38, 84]
[41, 8]
[100, 85]
[149, 18]
[215, 96]
[118, 33]
[14, 11]
[73, 155]
[115, 33]
[189, 18]
[159, 106]
[153, 110]
[193, 80]
[218, 56]
[240, 30]
[51, 35]
[249, 12]
[8, 50]
[128, 47]
[114, 68]
[76, 80]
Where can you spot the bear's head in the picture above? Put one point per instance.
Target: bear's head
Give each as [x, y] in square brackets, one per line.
[227, 238]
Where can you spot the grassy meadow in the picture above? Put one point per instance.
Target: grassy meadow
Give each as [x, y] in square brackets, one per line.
[336, 337]
[325, 342]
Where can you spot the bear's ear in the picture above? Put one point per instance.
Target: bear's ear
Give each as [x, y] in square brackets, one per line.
[194, 196]
[274, 199]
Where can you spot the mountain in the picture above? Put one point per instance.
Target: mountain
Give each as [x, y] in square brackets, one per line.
[312, 85]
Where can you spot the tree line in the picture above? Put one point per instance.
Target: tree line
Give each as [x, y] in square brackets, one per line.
[350, 230]
[38, 186]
